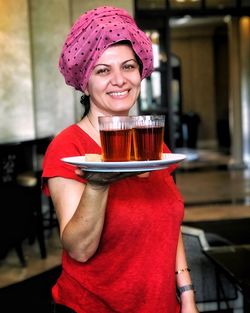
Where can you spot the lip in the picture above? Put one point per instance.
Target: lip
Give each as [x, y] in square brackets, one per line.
[118, 93]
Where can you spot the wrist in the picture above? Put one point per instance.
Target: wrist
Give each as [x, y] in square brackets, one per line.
[186, 291]
[187, 300]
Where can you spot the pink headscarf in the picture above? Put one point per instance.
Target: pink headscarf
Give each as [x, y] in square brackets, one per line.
[94, 32]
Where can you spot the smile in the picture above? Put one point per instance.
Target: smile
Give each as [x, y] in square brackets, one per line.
[119, 93]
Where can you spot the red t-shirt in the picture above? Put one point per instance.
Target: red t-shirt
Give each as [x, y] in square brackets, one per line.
[133, 270]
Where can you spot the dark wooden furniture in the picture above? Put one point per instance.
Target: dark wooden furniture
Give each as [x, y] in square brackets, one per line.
[21, 207]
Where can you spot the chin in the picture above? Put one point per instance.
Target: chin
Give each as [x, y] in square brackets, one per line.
[121, 111]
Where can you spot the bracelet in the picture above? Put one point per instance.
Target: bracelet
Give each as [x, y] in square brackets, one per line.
[186, 269]
[185, 288]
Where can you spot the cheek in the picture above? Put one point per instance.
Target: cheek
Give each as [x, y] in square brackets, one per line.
[137, 84]
[96, 86]
[137, 81]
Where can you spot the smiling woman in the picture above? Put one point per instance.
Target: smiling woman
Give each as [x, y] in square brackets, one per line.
[114, 83]
[106, 56]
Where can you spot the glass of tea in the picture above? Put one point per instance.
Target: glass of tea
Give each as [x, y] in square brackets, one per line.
[148, 134]
[116, 137]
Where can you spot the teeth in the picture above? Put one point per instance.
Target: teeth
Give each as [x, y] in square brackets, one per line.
[119, 93]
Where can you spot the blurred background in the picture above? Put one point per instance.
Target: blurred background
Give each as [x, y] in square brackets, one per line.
[201, 83]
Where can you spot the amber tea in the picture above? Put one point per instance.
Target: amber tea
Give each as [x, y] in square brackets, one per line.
[116, 138]
[116, 145]
[148, 143]
[148, 133]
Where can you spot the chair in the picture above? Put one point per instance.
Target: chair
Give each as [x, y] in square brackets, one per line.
[209, 294]
[17, 216]
[25, 213]
[34, 151]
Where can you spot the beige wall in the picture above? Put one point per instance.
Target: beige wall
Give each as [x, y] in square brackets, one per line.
[54, 105]
[16, 103]
[194, 46]
[80, 6]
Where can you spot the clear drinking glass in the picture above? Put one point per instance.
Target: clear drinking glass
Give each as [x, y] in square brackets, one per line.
[116, 137]
[148, 136]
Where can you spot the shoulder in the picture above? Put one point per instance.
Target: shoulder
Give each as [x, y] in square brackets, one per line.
[70, 138]
[64, 144]
[69, 134]
[72, 141]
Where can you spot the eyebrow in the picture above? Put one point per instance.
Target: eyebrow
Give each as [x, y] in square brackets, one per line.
[103, 64]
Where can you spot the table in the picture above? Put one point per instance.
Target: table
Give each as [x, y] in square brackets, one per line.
[234, 262]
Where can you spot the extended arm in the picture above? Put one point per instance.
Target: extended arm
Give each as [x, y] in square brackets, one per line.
[80, 210]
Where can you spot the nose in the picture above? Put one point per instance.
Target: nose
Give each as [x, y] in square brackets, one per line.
[118, 78]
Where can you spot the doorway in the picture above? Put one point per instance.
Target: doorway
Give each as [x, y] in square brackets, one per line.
[202, 47]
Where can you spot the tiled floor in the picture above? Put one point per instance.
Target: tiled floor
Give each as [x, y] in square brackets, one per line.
[209, 190]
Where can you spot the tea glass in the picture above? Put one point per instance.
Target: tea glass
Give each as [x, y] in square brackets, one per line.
[148, 137]
[116, 138]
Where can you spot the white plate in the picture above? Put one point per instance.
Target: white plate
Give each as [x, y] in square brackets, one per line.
[131, 166]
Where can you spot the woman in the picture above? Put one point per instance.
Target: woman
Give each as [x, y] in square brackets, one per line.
[120, 232]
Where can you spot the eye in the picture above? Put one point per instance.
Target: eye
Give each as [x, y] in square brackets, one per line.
[130, 66]
[102, 71]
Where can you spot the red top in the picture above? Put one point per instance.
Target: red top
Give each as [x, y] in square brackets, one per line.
[133, 270]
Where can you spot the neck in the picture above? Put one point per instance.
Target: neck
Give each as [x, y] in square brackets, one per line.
[92, 123]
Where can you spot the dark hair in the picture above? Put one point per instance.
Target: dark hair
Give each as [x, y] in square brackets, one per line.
[85, 101]
[86, 104]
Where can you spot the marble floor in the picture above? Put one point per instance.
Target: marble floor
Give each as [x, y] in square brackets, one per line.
[210, 189]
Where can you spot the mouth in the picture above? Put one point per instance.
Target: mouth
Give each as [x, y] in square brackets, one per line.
[118, 93]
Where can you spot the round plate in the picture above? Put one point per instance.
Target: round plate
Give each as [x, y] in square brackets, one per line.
[131, 166]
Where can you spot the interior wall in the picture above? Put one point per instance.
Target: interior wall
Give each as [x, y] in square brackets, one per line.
[54, 103]
[16, 102]
[194, 47]
[35, 101]
[79, 7]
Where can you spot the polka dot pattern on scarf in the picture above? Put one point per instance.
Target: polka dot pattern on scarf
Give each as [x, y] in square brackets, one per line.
[92, 33]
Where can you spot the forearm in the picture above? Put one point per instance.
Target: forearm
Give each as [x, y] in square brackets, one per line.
[81, 235]
[183, 278]
[182, 275]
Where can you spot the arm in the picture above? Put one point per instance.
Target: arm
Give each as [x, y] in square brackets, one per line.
[80, 210]
[183, 278]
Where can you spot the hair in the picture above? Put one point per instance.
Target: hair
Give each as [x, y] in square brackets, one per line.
[85, 101]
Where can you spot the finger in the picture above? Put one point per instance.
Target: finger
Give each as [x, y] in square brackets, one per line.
[79, 172]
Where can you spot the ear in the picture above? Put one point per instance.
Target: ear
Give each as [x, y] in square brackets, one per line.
[86, 92]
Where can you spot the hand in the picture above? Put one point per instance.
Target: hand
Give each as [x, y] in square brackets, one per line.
[104, 178]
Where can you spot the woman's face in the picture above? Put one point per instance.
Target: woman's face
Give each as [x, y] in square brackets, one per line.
[114, 83]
